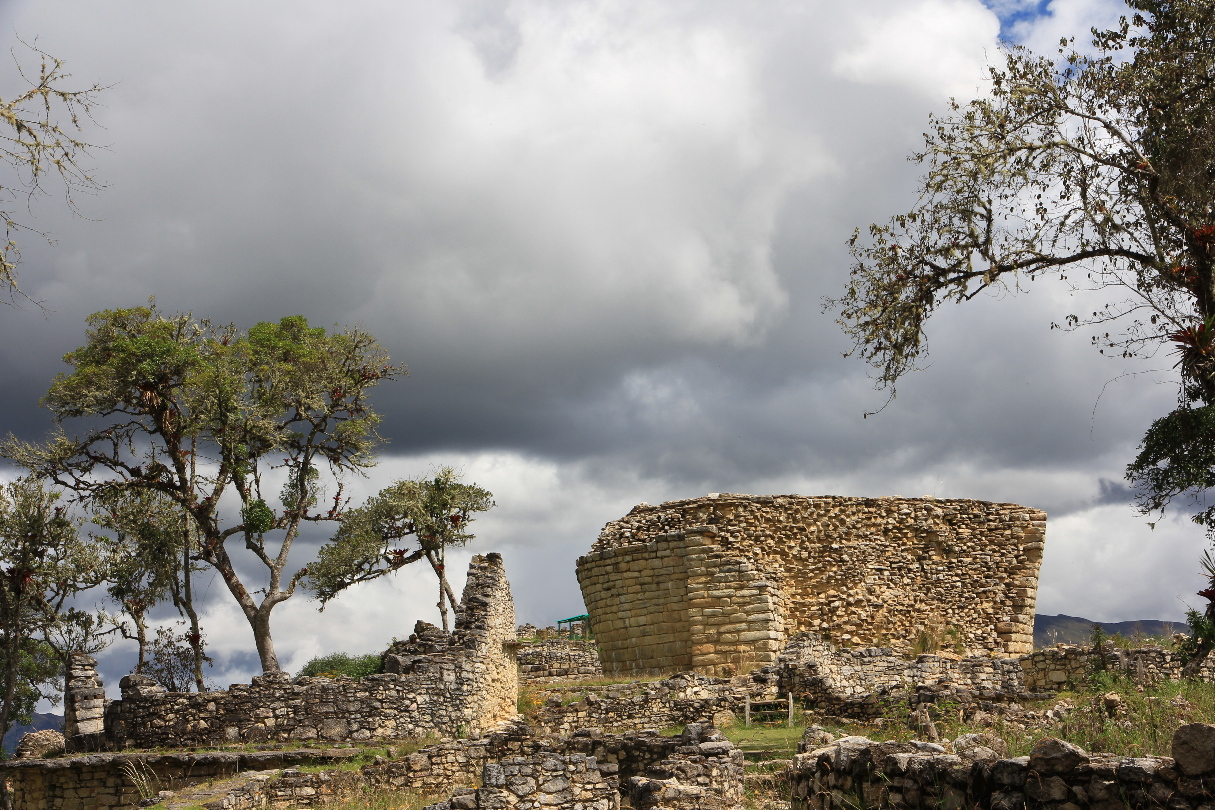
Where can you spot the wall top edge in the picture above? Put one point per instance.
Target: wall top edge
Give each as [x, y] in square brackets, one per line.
[767, 500]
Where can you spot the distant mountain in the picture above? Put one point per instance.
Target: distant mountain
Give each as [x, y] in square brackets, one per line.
[1050, 630]
[41, 723]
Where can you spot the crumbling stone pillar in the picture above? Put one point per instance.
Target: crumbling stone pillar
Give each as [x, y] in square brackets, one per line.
[83, 705]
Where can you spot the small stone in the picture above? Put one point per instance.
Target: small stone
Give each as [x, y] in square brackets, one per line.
[1055, 756]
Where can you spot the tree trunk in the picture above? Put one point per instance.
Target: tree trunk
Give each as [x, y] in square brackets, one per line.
[141, 637]
[260, 622]
[188, 606]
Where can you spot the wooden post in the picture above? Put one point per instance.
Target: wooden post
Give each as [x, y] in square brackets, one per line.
[747, 713]
[790, 710]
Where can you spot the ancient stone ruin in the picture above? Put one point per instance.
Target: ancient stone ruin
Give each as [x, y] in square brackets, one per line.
[718, 584]
[435, 683]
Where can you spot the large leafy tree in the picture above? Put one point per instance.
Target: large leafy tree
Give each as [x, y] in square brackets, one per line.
[44, 563]
[432, 512]
[1098, 169]
[200, 414]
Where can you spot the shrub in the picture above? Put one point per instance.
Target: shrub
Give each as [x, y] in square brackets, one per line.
[330, 666]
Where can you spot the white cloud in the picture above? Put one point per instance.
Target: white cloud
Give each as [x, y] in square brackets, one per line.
[935, 47]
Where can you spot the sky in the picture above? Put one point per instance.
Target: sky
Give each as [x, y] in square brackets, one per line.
[599, 235]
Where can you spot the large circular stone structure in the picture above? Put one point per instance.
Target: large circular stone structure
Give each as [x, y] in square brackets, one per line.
[717, 584]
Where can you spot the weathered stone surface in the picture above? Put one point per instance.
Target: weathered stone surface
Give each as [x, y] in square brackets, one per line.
[1054, 756]
[717, 584]
[39, 744]
[456, 684]
[1194, 749]
[864, 773]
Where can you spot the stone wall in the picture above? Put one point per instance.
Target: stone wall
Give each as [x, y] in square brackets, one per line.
[699, 762]
[84, 705]
[862, 683]
[718, 583]
[701, 770]
[679, 700]
[541, 780]
[459, 684]
[856, 772]
[558, 658]
[1062, 666]
[101, 781]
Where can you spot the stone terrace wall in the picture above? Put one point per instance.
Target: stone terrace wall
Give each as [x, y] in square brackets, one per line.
[718, 583]
[1062, 666]
[558, 658]
[467, 685]
[102, 780]
[856, 772]
[542, 780]
[859, 682]
[679, 700]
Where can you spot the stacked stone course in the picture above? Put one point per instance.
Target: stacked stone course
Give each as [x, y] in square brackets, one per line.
[467, 683]
[857, 772]
[718, 583]
[84, 705]
[862, 683]
[558, 658]
[102, 781]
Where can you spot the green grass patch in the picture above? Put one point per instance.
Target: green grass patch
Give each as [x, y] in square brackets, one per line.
[780, 740]
[335, 664]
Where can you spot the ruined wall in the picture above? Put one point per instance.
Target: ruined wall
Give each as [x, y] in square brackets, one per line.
[718, 583]
[856, 772]
[467, 682]
[558, 658]
[699, 762]
[104, 781]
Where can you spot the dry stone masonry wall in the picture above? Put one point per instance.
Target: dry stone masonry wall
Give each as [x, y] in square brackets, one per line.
[461, 683]
[718, 583]
[558, 658]
[857, 772]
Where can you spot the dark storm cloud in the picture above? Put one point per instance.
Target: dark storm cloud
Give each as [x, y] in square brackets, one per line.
[598, 235]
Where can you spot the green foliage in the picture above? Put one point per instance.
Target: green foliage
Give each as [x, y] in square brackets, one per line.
[194, 413]
[44, 563]
[434, 511]
[1201, 638]
[1177, 457]
[1100, 660]
[334, 664]
[171, 660]
[1099, 168]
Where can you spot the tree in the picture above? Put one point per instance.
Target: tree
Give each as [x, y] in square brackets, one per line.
[173, 661]
[150, 548]
[45, 563]
[435, 512]
[40, 137]
[200, 414]
[1100, 168]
